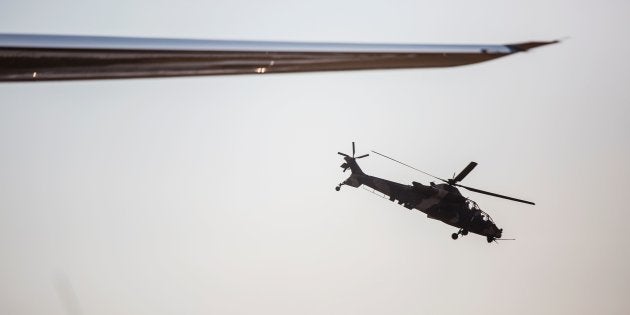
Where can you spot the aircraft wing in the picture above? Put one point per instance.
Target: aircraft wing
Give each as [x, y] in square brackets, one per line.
[53, 57]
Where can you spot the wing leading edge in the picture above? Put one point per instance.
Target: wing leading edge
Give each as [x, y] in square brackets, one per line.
[51, 57]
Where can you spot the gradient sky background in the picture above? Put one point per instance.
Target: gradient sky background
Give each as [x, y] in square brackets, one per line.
[216, 195]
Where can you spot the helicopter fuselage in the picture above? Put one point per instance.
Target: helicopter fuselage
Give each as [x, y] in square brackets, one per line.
[441, 202]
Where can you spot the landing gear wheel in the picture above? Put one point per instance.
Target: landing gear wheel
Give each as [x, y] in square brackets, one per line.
[490, 239]
[464, 232]
[454, 236]
[337, 188]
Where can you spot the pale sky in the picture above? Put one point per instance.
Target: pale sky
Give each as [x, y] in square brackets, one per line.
[216, 195]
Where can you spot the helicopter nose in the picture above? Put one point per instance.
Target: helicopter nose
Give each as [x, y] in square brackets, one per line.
[498, 233]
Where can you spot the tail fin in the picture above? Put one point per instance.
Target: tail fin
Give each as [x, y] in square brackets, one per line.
[351, 163]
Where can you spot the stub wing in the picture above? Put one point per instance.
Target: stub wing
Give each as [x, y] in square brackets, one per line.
[51, 57]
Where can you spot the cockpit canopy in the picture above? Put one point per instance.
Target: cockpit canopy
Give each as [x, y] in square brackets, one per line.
[472, 206]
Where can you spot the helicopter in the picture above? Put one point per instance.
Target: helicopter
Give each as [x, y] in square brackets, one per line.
[441, 201]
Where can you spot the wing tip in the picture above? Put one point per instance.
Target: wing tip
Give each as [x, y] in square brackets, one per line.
[521, 47]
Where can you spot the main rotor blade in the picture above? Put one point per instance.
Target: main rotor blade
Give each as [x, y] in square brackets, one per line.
[343, 154]
[464, 172]
[423, 172]
[353, 148]
[362, 156]
[494, 195]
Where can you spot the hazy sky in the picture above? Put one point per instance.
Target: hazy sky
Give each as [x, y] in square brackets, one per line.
[216, 195]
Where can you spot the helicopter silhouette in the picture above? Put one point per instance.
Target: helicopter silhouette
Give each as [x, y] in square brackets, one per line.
[441, 202]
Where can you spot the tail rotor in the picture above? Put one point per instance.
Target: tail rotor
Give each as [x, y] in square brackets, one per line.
[353, 153]
[349, 158]
[350, 163]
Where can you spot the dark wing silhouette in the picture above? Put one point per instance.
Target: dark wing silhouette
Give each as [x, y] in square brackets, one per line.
[51, 57]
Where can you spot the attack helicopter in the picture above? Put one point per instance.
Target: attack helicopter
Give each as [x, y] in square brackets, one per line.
[441, 202]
